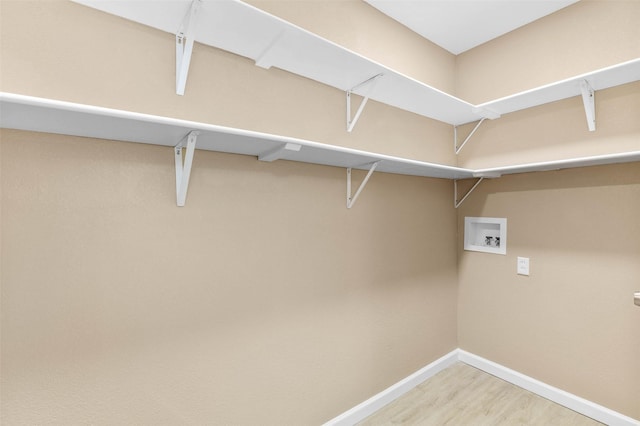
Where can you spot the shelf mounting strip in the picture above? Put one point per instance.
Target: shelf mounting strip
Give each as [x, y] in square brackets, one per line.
[184, 45]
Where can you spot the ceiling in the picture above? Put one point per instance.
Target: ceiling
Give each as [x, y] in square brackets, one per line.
[460, 25]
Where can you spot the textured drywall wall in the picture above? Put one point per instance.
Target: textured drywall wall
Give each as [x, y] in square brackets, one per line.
[263, 301]
[114, 336]
[572, 322]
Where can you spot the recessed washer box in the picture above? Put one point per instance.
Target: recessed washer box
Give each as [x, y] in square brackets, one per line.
[487, 234]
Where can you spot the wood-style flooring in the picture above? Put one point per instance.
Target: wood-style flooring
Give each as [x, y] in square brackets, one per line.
[463, 395]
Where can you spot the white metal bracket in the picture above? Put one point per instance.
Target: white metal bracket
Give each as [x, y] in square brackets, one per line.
[371, 82]
[183, 167]
[184, 46]
[455, 136]
[588, 98]
[278, 152]
[351, 200]
[457, 203]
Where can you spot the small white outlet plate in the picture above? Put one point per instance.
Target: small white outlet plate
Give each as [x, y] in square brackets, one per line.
[523, 266]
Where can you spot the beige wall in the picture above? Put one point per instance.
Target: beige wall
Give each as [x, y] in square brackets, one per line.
[263, 301]
[572, 322]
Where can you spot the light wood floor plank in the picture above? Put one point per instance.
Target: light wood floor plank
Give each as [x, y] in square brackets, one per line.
[463, 395]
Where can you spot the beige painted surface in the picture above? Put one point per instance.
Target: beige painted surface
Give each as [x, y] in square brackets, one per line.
[581, 38]
[82, 55]
[263, 301]
[571, 323]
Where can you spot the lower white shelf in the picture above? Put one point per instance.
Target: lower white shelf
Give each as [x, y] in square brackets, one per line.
[54, 116]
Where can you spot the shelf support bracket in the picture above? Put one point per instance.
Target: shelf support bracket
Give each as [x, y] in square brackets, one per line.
[183, 167]
[184, 46]
[352, 122]
[351, 200]
[588, 99]
[457, 203]
[455, 136]
[278, 152]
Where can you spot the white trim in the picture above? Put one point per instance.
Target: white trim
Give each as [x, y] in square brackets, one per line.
[375, 403]
[566, 399]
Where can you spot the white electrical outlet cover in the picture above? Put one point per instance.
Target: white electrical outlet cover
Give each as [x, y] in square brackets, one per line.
[523, 266]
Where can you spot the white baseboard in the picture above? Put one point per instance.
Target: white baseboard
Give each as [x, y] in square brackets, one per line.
[573, 402]
[373, 404]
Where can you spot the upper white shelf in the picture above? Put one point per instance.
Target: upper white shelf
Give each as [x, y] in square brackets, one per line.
[545, 166]
[242, 29]
[604, 78]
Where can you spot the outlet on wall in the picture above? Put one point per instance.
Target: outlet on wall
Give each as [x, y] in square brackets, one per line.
[523, 266]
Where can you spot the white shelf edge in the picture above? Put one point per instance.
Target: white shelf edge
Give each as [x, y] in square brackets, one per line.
[261, 142]
[466, 111]
[53, 104]
[362, 158]
[351, 52]
[543, 166]
[461, 112]
[597, 80]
